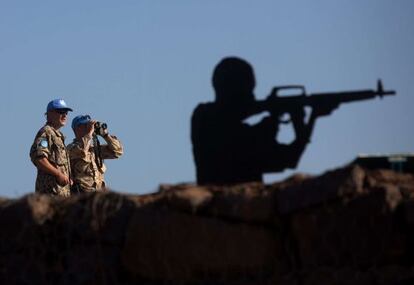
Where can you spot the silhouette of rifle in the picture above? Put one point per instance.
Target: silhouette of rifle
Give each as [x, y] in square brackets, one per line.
[281, 105]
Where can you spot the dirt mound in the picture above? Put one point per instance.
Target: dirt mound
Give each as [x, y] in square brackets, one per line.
[347, 226]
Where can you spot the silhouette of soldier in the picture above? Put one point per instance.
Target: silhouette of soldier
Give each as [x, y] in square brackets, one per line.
[226, 149]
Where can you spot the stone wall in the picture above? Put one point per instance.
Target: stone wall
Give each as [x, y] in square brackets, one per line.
[348, 226]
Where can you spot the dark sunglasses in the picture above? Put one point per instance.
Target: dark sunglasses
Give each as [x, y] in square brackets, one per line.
[62, 112]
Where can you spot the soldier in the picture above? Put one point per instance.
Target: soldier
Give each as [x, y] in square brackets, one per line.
[86, 154]
[226, 149]
[48, 152]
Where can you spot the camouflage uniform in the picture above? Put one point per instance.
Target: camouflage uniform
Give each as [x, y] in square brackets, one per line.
[50, 143]
[85, 171]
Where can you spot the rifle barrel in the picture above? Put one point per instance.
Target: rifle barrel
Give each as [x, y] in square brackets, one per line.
[286, 103]
[349, 96]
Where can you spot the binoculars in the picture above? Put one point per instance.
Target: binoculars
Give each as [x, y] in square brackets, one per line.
[100, 126]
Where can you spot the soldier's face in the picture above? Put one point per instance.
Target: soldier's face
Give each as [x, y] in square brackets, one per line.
[58, 117]
[81, 130]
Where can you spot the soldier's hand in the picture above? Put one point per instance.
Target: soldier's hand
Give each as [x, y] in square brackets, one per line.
[90, 127]
[297, 114]
[62, 179]
[102, 131]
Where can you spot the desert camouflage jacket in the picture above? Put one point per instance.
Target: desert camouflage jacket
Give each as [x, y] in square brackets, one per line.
[50, 143]
[85, 171]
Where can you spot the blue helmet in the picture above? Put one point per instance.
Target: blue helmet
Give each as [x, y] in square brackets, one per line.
[80, 120]
[58, 104]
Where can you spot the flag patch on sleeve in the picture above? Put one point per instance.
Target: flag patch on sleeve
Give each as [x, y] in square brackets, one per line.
[43, 143]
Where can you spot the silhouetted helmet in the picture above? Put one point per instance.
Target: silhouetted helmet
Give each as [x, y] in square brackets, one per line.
[233, 75]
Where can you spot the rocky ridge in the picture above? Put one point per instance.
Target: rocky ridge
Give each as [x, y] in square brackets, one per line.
[347, 226]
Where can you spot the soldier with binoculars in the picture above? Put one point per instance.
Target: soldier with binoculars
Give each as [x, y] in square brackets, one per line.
[87, 155]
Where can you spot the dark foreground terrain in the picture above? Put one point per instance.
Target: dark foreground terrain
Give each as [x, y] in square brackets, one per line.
[348, 226]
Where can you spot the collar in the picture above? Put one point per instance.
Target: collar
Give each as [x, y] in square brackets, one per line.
[57, 132]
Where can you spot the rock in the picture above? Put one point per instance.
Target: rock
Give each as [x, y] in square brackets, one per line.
[184, 248]
[347, 226]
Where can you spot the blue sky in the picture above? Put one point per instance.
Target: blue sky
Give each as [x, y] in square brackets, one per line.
[142, 67]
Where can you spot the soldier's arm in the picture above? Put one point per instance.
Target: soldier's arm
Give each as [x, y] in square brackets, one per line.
[113, 149]
[303, 132]
[40, 153]
[44, 165]
[80, 150]
[289, 154]
[268, 154]
[81, 158]
[40, 148]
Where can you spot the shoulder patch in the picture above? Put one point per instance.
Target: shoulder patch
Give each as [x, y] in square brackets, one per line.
[43, 143]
